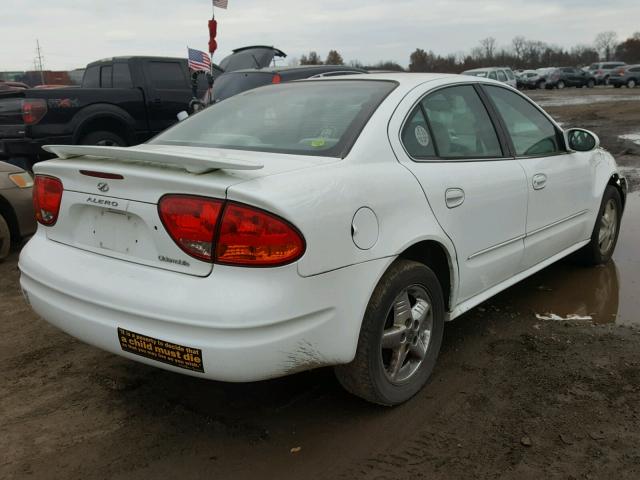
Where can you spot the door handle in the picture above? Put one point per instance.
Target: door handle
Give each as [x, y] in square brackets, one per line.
[454, 197]
[539, 181]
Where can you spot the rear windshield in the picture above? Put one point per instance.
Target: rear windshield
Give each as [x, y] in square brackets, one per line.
[309, 118]
[230, 84]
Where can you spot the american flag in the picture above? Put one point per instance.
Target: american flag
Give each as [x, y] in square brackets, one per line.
[198, 60]
[220, 3]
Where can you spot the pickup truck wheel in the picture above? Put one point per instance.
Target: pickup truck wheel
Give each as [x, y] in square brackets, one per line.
[605, 232]
[400, 336]
[5, 238]
[104, 138]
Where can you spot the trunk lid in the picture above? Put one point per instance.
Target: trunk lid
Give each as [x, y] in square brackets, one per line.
[118, 217]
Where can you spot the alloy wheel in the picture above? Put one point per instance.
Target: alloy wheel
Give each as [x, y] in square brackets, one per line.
[608, 227]
[407, 334]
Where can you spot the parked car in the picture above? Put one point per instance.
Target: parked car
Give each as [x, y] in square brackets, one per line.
[502, 74]
[326, 222]
[543, 76]
[17, 220]
[628, 75]
[232, 83]
[529, 80]
[569, 77]
[601, 71]
[122, 101]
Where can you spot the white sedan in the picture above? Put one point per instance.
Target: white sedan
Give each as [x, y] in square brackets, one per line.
[325, 222]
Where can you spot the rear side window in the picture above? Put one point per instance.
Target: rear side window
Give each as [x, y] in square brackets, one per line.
[416, 137]
[121, 76]
[510, 74]
[492, 75]
[501, 76]
[91, 77]
[531, 132]
[634, 69]
[105, 76]
[167, 76]
[460, 124]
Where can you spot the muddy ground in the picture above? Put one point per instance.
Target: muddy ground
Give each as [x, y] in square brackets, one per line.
[512, 397]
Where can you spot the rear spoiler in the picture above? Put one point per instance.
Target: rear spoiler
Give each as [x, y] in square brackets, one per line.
[192, 159]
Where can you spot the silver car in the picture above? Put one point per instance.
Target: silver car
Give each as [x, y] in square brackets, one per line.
[502, 74]
[16, 207]
[602, 71]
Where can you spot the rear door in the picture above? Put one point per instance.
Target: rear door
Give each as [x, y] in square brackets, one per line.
[477, 193]
[169, 91]
[558, 182]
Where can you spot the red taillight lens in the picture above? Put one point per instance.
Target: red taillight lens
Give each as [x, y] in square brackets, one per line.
[191, 222]
[47, 195]
[33, 109]
[253, 237]
[276, 79]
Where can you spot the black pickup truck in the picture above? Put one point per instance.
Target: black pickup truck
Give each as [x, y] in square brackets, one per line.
[122, 101]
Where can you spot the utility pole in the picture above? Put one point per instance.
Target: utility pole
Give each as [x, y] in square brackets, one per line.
[39, 58]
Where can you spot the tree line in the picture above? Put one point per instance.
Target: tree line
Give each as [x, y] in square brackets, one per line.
[522, 53]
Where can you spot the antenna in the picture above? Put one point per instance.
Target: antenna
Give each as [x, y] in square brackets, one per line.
[39, 60]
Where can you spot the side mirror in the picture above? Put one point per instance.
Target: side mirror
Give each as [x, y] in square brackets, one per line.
[580, 140]
[182, 115]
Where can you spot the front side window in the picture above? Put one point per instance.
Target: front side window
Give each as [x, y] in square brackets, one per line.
[531, 132]
[309, 118]
[460, 124]
[501, 76]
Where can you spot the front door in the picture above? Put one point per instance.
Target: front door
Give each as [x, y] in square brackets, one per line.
[477, 193]
[558, 182]
[169, 92]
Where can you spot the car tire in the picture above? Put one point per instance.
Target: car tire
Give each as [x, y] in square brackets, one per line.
[542, 85]
[560, 85]
[591, 84]
[393, 373]
[632, 83]
[605, 232]
[103, 138]
[5, 238]
[617, 85]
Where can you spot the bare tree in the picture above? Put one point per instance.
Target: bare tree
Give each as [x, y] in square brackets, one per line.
[606, 43]
[519, 44]
[312, 59]
[488, 45]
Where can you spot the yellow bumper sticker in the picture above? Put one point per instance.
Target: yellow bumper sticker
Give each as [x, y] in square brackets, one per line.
[165, 352]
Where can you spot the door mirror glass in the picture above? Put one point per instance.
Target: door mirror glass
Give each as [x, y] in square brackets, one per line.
[581, 140]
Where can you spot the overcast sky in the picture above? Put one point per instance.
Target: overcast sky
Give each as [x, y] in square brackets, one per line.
[74, 32]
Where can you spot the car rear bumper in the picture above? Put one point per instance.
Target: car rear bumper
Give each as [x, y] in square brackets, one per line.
[28, 147]
[250, 324]
[617, 81]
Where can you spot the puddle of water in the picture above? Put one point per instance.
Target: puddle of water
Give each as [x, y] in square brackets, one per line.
[608, 293]
[633, 137]
[585, 100]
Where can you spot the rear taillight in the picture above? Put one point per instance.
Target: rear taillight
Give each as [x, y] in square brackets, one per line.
[252, 237]
[33, 109]
[276, 79]
[47, 195]
[191, 222]
[247, 236]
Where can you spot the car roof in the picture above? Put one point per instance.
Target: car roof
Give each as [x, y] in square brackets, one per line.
[488, 69]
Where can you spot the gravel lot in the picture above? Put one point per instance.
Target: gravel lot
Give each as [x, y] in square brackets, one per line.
[512, 396]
